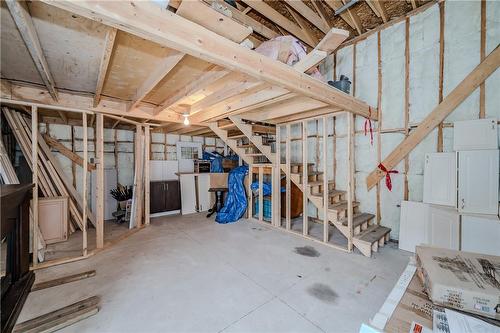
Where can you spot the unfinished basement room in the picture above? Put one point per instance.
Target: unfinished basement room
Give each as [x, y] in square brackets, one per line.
[253, 166]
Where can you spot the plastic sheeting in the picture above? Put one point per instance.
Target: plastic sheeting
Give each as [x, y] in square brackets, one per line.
[235, 204]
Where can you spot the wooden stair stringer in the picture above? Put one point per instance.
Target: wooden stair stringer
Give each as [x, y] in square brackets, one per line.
[256, 140]
[232, 143]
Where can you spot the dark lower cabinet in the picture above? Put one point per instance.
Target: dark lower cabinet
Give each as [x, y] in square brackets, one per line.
[165, 196]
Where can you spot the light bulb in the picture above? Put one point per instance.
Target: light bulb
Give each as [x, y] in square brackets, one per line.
[186, 120]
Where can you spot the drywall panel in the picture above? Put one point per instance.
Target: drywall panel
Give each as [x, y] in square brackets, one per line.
[126, 168]
[344, 63]
[366, 74]
[414, 224]
[492, 85]
[480, 235]
[15, 60]
[461, 52]
[393, 79]
[424, 63]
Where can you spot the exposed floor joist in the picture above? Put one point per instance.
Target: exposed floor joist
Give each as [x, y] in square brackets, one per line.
[107, 52]
[168, 29]
[308, 14]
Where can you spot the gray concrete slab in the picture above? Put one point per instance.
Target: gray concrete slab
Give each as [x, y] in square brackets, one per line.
[190, 274]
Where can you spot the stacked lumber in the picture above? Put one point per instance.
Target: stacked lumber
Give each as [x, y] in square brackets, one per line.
[51, 179]
[9, 176]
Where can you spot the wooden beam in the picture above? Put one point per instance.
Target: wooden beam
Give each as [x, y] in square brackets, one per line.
[322, 13]
[449, 103]
[335, 5]
[213, 74]
[144, 20]
[278, 19]
[313, 40]
[257, 27]
[147, 148]
[84, 186]
[62, 280]
[20, 13]
[54, 143]
[99, 146]
[34, 161]
[378, 7]
[161, 71]
[309, 14]
[107, 52]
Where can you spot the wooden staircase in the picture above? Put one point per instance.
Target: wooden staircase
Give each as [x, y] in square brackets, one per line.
[250, 143]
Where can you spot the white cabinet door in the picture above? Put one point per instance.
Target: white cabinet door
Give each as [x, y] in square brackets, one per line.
[203, 194]
[481, 235]
[478, 181]
[475, 134]
[188, 194]
[413, 225]
[440, 179]
[444, 227]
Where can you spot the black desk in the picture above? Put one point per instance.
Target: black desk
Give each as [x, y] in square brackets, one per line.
[219, 199]
[15, 229]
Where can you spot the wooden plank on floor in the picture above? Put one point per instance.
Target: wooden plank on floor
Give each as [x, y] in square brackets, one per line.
[60, 318]
[63, 280]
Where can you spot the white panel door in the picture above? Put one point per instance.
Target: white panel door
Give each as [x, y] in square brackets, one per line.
[203, 194]
[414, 223]
[475, 134]
[444, 227]
[478, 181]
[440, 179]
[188, 194]
[481, 235]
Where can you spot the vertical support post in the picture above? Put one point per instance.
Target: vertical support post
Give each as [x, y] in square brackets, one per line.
[305, 175]
[277, 180]
[326, 222]
[379, 107]
[261, 194]
[249, 191]
[84, 184]
[482, 55]
[407, 103]
[147, 148]
[139, 189]
[288, 182]
[34, 159]
[99, 140]
[326, 201]
[350, 181]
[441, 70]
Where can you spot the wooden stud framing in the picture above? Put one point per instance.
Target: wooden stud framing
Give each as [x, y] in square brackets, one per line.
[308, 14]
[84, 184]
[305, 172]
[440, 112]
[107, 52]
[277, 181]
[326, 223]
[99, 146]
[288, 182]
[380, 118]
[147, 147]
[350, 180]
[482, 55]
[34, 159]
[407, 104]
[441, 70]
[261, 194]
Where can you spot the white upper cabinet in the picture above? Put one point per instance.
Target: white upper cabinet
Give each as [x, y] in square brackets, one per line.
[478, 181]
[475, 134]
[440, 179]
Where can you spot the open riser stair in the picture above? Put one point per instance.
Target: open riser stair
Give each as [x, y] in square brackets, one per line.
[253, 144]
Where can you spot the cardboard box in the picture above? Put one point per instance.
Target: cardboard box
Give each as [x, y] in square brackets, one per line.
[462, 280]
[414, 306]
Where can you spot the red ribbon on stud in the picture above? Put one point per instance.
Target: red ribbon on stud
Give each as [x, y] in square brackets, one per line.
[388, 181]
[368, 122]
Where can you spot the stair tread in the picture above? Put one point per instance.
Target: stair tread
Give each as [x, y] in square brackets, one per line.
[254, 154]
[262, 164]
[319, 182]
[357, 219]
[236, 136]
[372, 234]
[310, 173]
[249, 145]
[342, 205]
[330, 193]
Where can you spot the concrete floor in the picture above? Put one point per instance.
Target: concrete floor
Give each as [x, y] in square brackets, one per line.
[189, 274]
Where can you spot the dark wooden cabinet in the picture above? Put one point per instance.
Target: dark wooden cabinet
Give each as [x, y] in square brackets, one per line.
[165, 196]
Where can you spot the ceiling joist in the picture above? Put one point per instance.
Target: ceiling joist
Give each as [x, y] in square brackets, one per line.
[107, 52]
[309, 14]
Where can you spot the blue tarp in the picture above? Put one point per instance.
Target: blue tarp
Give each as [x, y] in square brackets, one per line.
[215, 161]
[267, 188]
[235, 204]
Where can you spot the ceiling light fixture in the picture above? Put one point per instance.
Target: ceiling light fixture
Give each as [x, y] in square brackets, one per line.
[186, 120]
